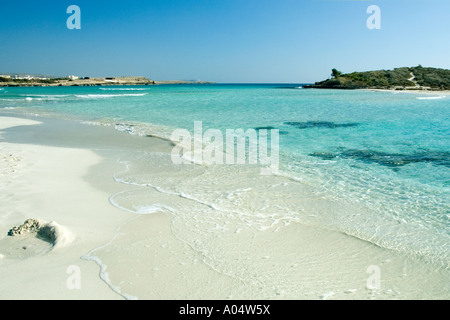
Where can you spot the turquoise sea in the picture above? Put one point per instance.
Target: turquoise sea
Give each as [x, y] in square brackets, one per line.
[383, 157]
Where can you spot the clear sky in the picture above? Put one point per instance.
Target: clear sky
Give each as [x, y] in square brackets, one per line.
[290, 41]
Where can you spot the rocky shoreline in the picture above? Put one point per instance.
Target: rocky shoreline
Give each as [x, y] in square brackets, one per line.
[85, 82]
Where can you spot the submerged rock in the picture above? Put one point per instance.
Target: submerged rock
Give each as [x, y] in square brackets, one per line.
[320, 124]
[393, 160]
[268, 128]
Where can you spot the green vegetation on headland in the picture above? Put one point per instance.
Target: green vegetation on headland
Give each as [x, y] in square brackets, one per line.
[413, 78]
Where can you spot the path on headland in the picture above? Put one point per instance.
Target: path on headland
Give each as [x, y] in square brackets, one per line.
[413, 79]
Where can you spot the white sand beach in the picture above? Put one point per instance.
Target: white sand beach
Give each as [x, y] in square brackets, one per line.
[413, 91]
[47, 183]
[165, 250]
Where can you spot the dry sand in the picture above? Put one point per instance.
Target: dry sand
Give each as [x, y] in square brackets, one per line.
[47, 183]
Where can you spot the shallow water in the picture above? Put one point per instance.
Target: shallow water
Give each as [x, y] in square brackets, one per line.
[372, 165]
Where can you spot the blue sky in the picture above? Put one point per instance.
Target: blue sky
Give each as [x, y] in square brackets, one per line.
[290, 41]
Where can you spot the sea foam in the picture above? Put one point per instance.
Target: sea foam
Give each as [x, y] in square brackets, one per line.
[105, 96]
[123, 89]
[431, 98]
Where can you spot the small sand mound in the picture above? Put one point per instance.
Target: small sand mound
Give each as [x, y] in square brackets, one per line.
[51, 232]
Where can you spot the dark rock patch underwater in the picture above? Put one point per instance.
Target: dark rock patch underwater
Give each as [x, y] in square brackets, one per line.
[393, 160]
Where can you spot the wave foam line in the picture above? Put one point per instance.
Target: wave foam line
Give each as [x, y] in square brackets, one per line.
[431, 98]
[103, 274]
[38, 99]
[123, 89]
[103, 96]
[46, 95]
[141, 210]
[157, 188]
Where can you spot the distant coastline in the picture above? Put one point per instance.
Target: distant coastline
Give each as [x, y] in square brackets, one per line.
[8, 81]
[407, 78]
